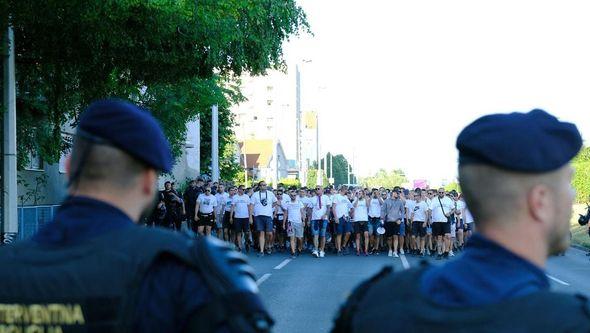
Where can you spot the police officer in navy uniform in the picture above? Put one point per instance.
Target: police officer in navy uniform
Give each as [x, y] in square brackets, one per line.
[515, 175]
[94, 270]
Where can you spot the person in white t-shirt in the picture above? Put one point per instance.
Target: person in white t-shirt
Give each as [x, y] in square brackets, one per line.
[441, 209]
[375, 202]
[320, 208]
[469, 225]
[409, 207]
[429, 242]
[341, 207]
[221, 197]
[361, 221]
[278, 218]
[419, 215]
[262, 205]
[225, 212]
[460, 204]
[239, 216]
[205, 212]
[293, 222]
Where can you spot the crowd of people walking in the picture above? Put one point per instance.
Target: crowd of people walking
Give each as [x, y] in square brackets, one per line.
[344, 220]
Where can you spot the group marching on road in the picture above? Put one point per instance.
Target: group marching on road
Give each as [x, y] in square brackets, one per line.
[347, 220]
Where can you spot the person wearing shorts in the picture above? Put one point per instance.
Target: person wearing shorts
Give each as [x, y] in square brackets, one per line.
[442, 207]
[320, 207]
[226, 221]
[419, 217]
[205, 212]
[240, 216]
[278, 217]
[360, 221]
[293, 222]
[262, 205]
[375, 203]
[392, 211]
[341, 207]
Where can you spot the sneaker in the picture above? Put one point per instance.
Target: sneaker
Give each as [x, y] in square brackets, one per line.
[293, 256]
[315, 253]
[423, 255]
[339, 253]
[390, 253]
[395, 255]
[358, 254]
[401, 251]
[366, 254]
[260, 254]
[446, 255]
[438, 256]
[322, 254]
[452, 254]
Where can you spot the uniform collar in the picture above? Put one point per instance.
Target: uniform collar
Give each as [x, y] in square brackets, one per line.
[80, 218]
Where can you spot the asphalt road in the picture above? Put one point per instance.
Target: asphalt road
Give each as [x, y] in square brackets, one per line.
[304, 294]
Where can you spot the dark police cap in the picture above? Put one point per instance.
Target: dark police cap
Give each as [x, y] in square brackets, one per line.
[533, 142]
[129, 128]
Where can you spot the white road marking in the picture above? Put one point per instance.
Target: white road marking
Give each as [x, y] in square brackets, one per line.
[263, 278]
[283, 264]
[558, 280]
[405, 262]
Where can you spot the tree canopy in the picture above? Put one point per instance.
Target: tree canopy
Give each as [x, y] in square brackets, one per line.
[176, 57]
[387, 179]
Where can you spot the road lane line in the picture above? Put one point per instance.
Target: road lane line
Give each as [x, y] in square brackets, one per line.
[263, 278]
[405, 262]
[283, 264]
[558, 280]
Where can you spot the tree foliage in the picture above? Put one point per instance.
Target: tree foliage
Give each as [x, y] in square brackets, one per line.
[581, 180]
[312, 175]
[340, 169]
[387, 179]
[176, 57]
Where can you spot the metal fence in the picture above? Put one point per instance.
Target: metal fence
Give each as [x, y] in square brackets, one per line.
[31, 218]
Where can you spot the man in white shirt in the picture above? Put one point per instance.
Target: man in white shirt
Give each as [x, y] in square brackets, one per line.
[375, 203]
[221, 197]
[293, 222]
[460, 205]
[320, 207]
[205, 212]
[419, 216]
[469, 225]
[225, 224]
[261, 211]
[239, 215]
[442, 207]
[341, 207]
[409, 208]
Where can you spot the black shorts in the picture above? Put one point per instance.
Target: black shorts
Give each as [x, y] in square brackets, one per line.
[226, 223]
[278, 224]
[391, 229]
[206, 220]
[359, 227]
[418, 230]
[441, 228]
[241, 224]
[468, 227]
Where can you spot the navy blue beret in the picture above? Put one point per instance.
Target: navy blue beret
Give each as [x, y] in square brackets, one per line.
[533, 142]
[129, 128]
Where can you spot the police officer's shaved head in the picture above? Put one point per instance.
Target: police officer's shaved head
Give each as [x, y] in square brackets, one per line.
[514, 171]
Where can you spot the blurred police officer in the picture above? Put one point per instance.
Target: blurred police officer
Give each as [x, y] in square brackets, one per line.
[515, 175]
[94, 270]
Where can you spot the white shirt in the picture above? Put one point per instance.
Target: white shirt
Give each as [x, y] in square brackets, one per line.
[228, 203]
[375, 208]
[240, 203]
[221, 200]
[437, 210]
[343, 205]
[460, 207]
[293, 208]
[206, 203]
[420, 211]
[410, 204]
[318, 213]
[258, 198]
[361, 213]
[468, 218]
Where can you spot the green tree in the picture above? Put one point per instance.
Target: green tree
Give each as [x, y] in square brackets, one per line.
[176, 57]
[581, 179]
[312, 175]
[340, 169]
[453, 186]
[387, 179]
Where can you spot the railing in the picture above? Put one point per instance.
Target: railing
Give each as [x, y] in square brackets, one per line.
[31, 218]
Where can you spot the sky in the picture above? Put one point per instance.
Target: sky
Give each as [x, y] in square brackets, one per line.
[394, 82]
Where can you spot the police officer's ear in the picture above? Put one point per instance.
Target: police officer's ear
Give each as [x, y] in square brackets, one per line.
[148, 182]
[541, 203]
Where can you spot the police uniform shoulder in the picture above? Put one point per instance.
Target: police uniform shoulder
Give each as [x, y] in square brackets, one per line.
[538, 142]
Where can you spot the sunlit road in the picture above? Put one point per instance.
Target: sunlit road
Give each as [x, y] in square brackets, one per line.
[304, 294]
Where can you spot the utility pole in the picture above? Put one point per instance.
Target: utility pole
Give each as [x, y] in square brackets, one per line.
[9, 186]
[214, 143]
[298, 119]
